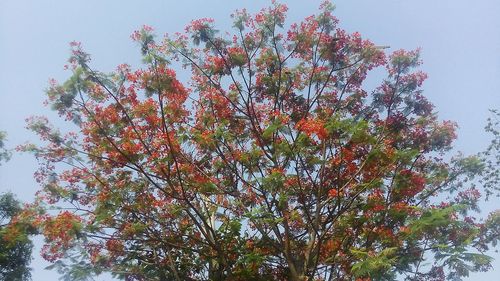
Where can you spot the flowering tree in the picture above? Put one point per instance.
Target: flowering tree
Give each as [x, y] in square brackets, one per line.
[15, 247]
[271, 163]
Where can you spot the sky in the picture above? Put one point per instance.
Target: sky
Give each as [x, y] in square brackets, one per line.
[460, 43]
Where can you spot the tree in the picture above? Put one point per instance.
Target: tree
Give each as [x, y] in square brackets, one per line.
[4, 153]
[491, 157]
[273, 162]
[15, 247]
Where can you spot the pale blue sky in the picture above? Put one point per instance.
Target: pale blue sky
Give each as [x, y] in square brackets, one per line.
[460, 42]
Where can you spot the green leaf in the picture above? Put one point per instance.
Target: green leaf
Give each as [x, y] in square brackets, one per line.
[273, 128]
[373, 264]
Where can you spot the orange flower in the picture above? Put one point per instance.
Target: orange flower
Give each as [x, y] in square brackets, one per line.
[313, 126]
[333, 192]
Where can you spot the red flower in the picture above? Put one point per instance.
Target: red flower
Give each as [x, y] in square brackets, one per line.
[313, 126]
[333, 192]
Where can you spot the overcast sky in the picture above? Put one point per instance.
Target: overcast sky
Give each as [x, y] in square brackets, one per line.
[460, 43]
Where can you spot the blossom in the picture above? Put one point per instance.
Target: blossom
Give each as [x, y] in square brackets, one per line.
[312, 126]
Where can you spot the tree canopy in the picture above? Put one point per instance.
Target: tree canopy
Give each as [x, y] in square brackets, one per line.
[271, 161]
[4, 153]
[15, 247]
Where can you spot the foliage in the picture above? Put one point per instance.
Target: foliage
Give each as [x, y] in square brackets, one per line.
[4, 153]
[273, 162]
[491, 157]
[15, 247]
